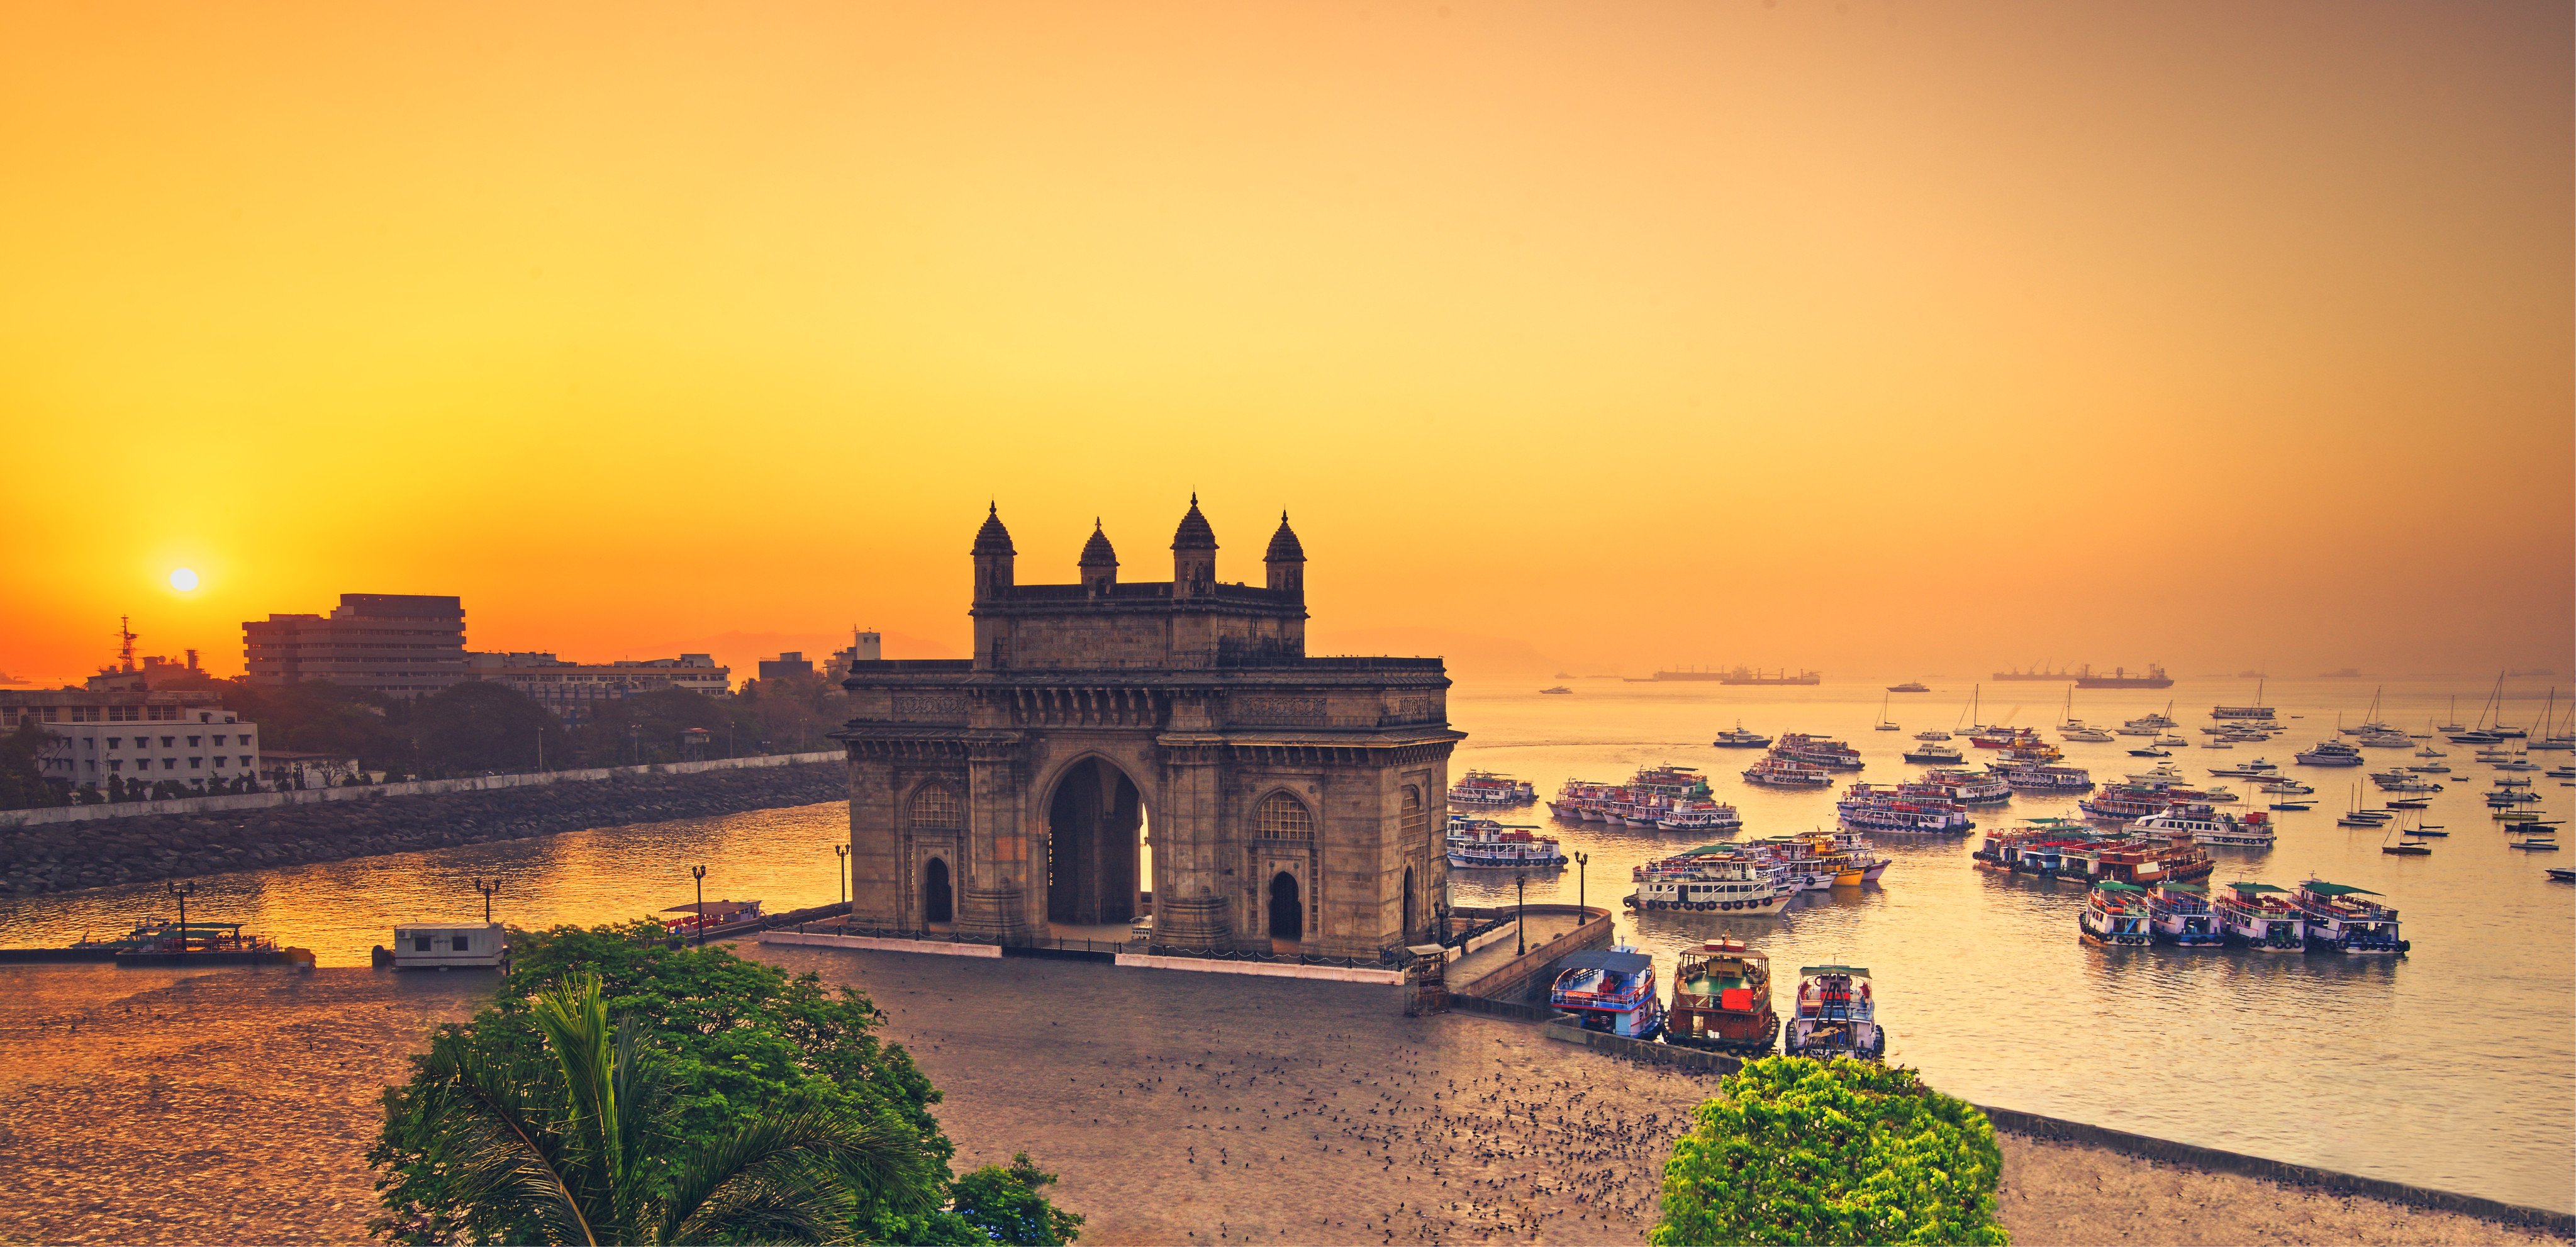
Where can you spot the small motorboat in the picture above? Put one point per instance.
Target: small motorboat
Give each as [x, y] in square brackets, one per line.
[2562, 874]
[1558, 690]
[2294, 806]
[2406, 850]
[2151, 752]
[2537, 846]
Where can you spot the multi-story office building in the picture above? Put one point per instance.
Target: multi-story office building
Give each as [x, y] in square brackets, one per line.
[570, 689]
[118, 726]
[399, 644]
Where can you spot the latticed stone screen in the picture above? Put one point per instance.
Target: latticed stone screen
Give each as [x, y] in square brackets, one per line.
[935, 809]
[1282, 817]
[1413, 814]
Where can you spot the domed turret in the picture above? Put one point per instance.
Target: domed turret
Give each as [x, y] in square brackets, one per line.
[1193, 554]
[1099, 563]
[993, 557]
[1286, 560]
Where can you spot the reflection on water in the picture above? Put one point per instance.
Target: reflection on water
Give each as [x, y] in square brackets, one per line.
[2452, 1068]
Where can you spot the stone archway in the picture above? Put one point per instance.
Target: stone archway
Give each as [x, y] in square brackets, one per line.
[1287, 909]
[1092, 825]
[938, 898]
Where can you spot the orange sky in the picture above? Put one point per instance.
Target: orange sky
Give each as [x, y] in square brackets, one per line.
[1869, 334]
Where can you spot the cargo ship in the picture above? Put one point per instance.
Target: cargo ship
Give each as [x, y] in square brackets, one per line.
[1722, 999]
[2120, 677]
[1741, 675]
[2034, 674]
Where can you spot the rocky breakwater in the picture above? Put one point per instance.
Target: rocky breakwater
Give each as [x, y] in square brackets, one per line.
[63, 856]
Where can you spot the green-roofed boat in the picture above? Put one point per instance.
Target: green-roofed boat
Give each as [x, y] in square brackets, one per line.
[2339, 919]
[1722, 999]
[2260, 917]
[2180, 915]
[1837, 1016]
[2115, 914]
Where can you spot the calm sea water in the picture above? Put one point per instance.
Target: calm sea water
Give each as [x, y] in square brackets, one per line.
[2453, 1067]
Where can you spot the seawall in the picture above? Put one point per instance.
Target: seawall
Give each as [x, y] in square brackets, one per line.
[338, 823]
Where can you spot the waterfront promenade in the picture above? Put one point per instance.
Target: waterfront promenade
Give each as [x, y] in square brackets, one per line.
[155, 1106]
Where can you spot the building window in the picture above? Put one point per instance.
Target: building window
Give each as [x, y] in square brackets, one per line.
[195, 763]
[1282, 817]
[195, 741]
[462, 945]
[935, 808]
[420, 943]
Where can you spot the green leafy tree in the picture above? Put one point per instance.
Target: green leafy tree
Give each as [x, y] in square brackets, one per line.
[473, 726]
[22, 774]
[1796, 1150]
[579, 1144]
[320, 717]
[647, 727]
[1011, 1205]
[737, 1040]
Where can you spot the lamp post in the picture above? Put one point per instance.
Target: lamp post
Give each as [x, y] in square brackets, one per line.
[699, 873]
[1520, 909]
[1581, 860]
[183, 891]
[841, 873]
[487, 888]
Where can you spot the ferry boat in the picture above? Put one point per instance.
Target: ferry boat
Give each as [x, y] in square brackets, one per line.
[1959, 786]
[1934, 753]
[2041, 777]
[2337, 919]
[1774, 771]
[1714, 878]
[2150, 724]
[1883, 807]
[1910, 686]
[2207, 826]
[2129, 802]
[2115, 914]
[1932, 733]
[1722, 999]
[1700, 816]
[1484, 843]
[2181, 915]
[2120, 677]
[1487, 788]
[1741, 739]
[2261, 917]
[1833, 755]
[1649, 798]
[2257, 711]
[2330, 753]
[1610, 990]
[1836, 1016]
[2004, 738]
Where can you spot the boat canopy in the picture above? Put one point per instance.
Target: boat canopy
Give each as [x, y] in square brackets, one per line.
[2171, 886]
[1607, 959]
[2337, 889]
[2114, 885]
[2249, 889]
[1811, 971]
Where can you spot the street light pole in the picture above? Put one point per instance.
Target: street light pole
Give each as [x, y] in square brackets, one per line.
[841, 873]
[487, 889]
[1581, 860]
[699, 873]
[183, 891]
[1520, 907]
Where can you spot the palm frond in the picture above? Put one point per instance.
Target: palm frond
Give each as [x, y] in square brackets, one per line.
[807, 1165]
[507, 1161]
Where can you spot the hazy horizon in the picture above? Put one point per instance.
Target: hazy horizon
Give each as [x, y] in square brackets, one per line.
[1869, 336]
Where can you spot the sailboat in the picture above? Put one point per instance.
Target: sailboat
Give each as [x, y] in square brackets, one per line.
[2454, 724]
[2549, 733]
[1882, 724]
[2482, 734]
[2406, 848]
[2072, 728]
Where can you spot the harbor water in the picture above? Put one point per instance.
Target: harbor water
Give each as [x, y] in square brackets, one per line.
[2452, 1067]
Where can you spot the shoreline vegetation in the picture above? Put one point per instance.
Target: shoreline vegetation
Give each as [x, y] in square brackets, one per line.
[164, 1102]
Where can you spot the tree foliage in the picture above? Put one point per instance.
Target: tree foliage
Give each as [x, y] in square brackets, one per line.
[736, 1042]
[22, 773]
[474, 726]
[1796, 1150]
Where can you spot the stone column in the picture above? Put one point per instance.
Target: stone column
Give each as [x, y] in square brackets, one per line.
[994, 890]
[1189, 870]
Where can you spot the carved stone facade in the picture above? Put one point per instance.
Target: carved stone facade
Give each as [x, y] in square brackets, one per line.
[1281, 799]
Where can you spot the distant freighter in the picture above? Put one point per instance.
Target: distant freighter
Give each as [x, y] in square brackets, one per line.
[1740, 675]
[2034, 674]
[2155, 677]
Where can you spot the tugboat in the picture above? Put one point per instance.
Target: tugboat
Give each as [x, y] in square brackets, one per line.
[2336, 919]
[1475, 842]
[1722, 999]
[1836, 1016]
[2115, 913]
[2181, 915]
[1610, 990]
[2258, 916]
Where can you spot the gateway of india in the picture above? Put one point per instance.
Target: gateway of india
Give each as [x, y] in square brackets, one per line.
[1283, 801]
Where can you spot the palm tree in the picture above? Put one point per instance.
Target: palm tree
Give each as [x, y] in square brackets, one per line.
[576, 1147]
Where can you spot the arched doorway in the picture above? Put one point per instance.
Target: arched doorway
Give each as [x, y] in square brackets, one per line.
[1092, 825]
[938, 903]
[1287, 909]
[1412, 922]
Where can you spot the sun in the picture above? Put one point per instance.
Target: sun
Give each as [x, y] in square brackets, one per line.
[183, 579]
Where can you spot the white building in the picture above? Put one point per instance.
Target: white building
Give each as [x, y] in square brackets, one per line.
[142, 736]
[569, 688]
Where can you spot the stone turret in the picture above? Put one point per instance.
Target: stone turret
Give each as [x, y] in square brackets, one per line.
[1099, 563]
[1193, 555]
[1286, 560]
[993, 558]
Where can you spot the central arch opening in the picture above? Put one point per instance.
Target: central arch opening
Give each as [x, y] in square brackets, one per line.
[1287, 909]
[1092, 860]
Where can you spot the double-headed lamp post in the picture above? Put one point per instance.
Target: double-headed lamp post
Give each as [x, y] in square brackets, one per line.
[699, 873]
[487, 887]
[1581, 860]
[183, 891]
[1520, 909]
[841, 873]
